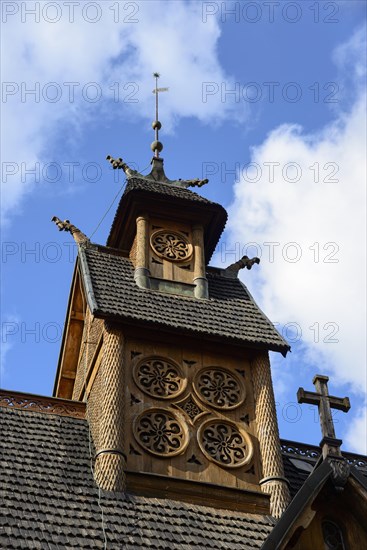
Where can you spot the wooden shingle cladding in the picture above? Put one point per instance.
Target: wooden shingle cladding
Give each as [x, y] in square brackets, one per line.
[50, 499]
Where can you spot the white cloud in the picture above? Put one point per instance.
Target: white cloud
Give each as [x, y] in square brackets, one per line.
[325, 289]
[355, 438]
[104, 52]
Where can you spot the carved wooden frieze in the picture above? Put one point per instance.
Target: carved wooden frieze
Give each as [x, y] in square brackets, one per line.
[171, 245]
[190, 406]
[41, 404]
[161, 432]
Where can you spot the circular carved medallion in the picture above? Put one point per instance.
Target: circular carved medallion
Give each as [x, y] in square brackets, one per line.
[171, 245]
[225, 443]
[219, 387]
[161, 433]
[159, 377]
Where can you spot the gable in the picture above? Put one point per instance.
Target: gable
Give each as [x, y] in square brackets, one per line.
[71, 340]
[335, 492]
[339, 516]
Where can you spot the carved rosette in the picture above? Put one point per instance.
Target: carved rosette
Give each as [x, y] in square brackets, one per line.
[219, 388]
[171, 245]
[161, 432]
[159, 377]
[225, 443]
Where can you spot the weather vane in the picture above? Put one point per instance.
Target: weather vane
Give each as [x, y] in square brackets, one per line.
[157, 146]
[157, 173]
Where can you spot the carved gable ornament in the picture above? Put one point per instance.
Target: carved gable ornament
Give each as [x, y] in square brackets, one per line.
[161, 432]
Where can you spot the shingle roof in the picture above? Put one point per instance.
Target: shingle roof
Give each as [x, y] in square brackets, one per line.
[165, 189]
[49, 499]
[299, 460]
[295, 476]
[230, 313]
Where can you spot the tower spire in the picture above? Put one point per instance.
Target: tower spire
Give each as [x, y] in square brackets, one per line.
[157, 145]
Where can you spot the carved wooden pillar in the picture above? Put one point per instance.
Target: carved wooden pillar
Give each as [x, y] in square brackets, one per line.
[110, 458]
[142, 273]
[273, 482]
[200, 280]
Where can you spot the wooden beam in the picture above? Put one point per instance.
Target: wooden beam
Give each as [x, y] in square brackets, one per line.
[72, 340]
[77, 316]
[193, 492]
[92, 370]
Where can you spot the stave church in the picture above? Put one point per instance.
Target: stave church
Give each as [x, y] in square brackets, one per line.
[162, 431]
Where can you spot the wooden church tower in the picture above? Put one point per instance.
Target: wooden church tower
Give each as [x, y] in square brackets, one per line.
[162, 431]
[170, 355]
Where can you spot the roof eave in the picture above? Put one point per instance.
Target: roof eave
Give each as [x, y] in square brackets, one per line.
[154, 325]
[212, 215]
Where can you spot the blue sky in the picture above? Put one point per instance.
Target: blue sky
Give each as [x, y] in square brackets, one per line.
[265, 99]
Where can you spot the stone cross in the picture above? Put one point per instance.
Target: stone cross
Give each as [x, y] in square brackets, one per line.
[325, 402]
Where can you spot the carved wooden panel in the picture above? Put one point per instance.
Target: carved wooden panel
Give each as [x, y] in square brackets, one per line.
[225, 443]
[41, 404]
[159, 377]
[171, 245]
[220, 388]
[187, 414]
[192, 408]
[171, 254]
[161, 432]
